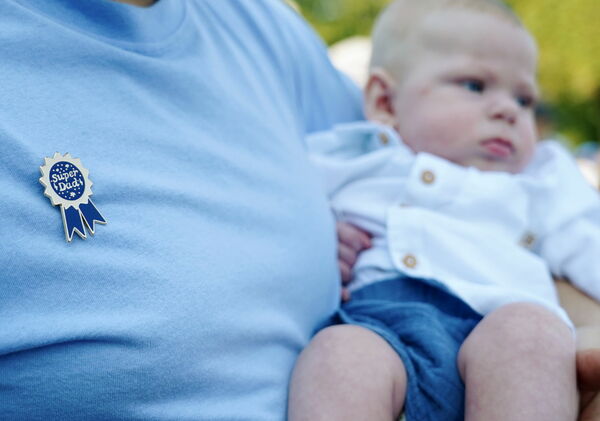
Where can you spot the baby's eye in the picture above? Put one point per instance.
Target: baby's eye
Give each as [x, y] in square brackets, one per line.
[473, 85]
[526, 101]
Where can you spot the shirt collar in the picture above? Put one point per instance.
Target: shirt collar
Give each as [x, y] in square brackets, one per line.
[112, 20]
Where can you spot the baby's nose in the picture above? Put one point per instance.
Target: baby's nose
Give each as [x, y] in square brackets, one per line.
[504, 108]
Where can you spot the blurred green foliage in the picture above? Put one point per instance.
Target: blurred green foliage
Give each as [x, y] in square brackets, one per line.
[568, 35]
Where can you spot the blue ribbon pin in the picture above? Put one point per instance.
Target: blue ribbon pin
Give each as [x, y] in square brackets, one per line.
[68, 186]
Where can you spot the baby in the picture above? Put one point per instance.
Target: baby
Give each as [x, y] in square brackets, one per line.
[454, 314]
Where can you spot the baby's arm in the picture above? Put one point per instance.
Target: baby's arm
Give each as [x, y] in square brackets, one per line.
[568, 214]
[573, 251]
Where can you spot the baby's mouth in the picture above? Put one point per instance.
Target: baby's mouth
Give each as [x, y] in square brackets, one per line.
[498, 147]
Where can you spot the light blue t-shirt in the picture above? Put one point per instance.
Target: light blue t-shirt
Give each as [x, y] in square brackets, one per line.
[218, 260]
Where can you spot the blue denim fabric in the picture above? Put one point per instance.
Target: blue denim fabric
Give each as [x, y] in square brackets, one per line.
[426, 325]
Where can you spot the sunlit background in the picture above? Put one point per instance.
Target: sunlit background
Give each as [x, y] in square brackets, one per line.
[568, 36]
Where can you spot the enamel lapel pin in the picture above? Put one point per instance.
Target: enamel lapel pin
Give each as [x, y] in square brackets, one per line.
[68, 185]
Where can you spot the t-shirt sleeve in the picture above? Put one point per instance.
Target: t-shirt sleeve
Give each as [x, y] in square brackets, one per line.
[324, 95]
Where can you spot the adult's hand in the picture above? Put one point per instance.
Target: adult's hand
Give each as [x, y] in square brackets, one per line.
[351, 241]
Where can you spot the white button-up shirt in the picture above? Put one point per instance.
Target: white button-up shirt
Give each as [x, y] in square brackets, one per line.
[492, 237]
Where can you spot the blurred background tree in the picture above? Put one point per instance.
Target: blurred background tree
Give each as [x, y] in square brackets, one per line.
[568, 34]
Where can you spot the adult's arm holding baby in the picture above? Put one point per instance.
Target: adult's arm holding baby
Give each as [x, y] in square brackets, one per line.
[571, 247]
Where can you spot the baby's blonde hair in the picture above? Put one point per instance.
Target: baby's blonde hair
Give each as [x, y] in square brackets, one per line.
[400, 18]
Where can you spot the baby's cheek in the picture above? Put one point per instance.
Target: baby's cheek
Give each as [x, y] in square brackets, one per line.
[437, 129]
[529, 146]
[446, 135]
[524, 158]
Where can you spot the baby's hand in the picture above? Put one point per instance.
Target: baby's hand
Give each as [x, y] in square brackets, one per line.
[351, 241]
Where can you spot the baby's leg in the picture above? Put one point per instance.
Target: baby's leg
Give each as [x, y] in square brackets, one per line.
[347, 373]
[519, 364]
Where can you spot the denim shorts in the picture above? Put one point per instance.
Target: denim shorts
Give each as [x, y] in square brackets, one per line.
[426, 325]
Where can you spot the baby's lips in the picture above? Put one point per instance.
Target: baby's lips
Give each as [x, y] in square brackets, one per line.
[499, 147]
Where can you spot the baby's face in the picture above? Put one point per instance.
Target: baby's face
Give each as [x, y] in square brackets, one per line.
[468, 92]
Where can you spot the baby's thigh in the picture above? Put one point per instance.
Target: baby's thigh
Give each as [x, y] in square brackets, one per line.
[349, 360]
[349, 348]
[519, 364]
[518, 330]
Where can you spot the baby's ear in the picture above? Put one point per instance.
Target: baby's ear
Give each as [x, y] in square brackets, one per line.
[379, 98]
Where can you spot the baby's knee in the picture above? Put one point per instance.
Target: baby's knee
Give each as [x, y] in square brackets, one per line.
[531, 323]
[330, 345]
[350, 343]
[341, 347]
[528, 330]
[338, 339]
[355, 363]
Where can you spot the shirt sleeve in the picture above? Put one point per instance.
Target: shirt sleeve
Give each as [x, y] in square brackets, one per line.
[570, 217]
[324, 95]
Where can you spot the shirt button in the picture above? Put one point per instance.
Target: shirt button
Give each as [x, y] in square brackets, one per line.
[409, 261]
[384, 138]
[427, 177]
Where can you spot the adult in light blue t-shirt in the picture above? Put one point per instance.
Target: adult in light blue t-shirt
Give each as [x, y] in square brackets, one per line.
[217, 261]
